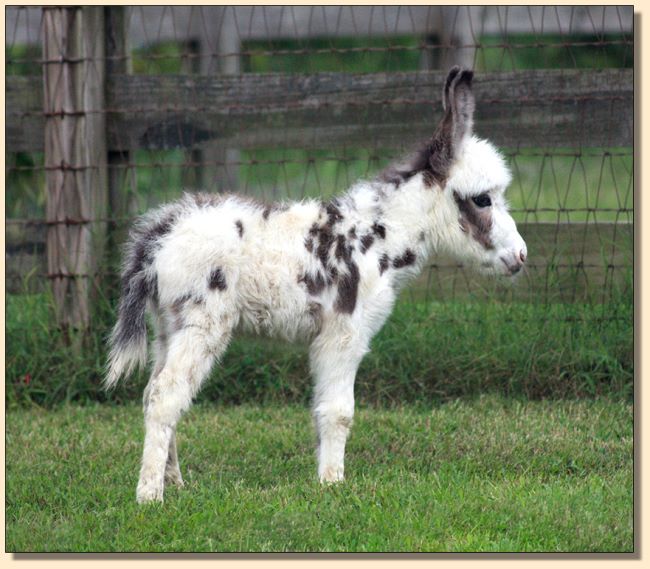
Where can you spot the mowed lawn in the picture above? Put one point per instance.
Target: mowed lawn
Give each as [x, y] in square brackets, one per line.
[488, 474]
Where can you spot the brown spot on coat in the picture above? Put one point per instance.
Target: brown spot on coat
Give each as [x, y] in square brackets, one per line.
[379, 229]
[325, 241]
[176, 312]
[333, 213]
[315, 284]
[177, 322]
[217, 280]
[352, 233]
[346, 299]
[342, 251]
[178, 304]
[273, 208]
[240, 227]
[406, 259]
[325, 236]
[309, 245]
[345, 422]
[366, 242]
[383, 263]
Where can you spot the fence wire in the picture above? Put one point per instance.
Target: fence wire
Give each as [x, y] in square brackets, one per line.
[311, 98]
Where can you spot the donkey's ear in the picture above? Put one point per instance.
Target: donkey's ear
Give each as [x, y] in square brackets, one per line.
[445, 90]
[460, 104]
[456, 123]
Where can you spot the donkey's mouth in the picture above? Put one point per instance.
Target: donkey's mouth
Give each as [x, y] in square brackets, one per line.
[498, 270]
[511, 268]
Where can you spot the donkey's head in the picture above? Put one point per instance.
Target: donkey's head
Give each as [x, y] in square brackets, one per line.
[473, 177]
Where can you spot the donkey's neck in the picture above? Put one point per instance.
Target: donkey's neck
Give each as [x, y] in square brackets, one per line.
[409, 219]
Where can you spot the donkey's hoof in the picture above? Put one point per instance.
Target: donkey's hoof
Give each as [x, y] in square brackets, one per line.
[174, 479]
[148, 493]
[331, 475]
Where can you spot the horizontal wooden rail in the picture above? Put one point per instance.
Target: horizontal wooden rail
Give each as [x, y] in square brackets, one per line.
[538, 108]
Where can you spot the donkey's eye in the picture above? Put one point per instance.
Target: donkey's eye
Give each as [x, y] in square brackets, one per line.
[482, 200]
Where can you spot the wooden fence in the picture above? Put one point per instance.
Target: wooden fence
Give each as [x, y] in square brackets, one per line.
[146, 24]
[88, 114]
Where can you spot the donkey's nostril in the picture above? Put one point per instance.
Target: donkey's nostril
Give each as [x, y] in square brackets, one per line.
[522, 256]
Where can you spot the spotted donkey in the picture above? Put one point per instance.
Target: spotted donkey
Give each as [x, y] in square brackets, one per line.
[208, 266]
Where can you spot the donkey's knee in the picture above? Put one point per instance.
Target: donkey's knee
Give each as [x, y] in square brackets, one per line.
[334, 418]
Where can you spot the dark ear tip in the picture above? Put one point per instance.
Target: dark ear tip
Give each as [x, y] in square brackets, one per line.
[451, 76]
[466, 76]
[452, 73]
[461, 76]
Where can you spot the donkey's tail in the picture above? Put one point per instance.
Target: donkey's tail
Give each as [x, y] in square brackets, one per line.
[128, 341]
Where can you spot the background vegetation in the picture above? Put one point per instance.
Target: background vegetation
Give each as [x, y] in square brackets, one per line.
[428, 350]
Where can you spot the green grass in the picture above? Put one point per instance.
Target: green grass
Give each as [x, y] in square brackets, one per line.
[402, 53]
[427, 351]
[553, 51]
[486, 474]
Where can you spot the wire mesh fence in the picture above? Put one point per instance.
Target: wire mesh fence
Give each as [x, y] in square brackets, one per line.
[292, 102]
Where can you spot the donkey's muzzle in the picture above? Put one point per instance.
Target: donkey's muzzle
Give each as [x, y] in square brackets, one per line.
[514, 263]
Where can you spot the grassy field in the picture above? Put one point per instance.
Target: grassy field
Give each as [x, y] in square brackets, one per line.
[426, 351]
[485, 474]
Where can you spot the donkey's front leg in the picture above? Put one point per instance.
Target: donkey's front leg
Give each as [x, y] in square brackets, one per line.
[334, 359]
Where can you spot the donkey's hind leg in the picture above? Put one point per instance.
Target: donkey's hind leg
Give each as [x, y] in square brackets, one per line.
[172, 469]
[160, 346]
[190, 354]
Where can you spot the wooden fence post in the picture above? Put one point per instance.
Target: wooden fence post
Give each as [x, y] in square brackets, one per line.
[218, 37]
[193, 174]
[75, 156]
[452, 39]
[122, 190]
[456, 31]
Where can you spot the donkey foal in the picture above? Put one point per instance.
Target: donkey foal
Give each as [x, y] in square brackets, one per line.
[208, 266]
